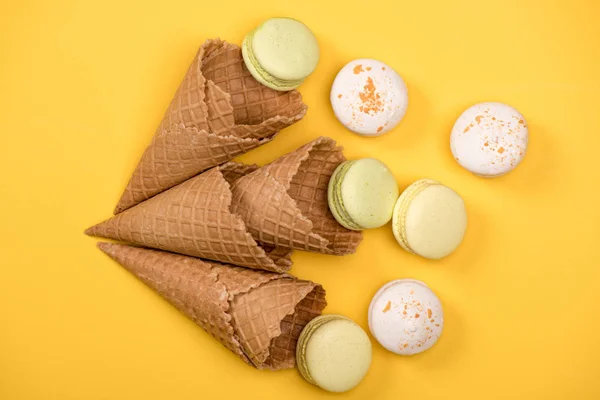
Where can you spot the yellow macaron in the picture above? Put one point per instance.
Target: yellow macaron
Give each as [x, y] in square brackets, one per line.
[429, 219]
[333, 353]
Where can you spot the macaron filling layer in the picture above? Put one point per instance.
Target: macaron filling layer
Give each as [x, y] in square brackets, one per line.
[334, 197]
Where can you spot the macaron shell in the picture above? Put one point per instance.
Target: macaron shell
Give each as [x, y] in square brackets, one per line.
[369, 97]
[369, 192]
[489, 139]
[305, 335]
[337, 355]
[285, 48]
[436, 221]
[401, 208]
[406, 317]
[262, 75]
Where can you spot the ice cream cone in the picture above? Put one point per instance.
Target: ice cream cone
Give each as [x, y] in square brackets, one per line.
[257, 315]
[195, 219]
[218, 113]
[285, 203]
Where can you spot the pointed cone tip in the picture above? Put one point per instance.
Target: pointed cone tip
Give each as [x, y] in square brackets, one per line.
[103, 245]
[96, 230]
[107, 248]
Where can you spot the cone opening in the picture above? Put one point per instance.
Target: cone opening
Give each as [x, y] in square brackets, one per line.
[285, 202]
[268, 320]
[280, 256]
[308, 188]
[252, 103]
[291, 326]
[232, 171]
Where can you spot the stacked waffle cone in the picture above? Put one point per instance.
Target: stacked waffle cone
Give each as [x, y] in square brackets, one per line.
[215, 237]
[240, 215]
[285, 203]
[244, 215]
[257, 315]
[195, 219]
[218, 113]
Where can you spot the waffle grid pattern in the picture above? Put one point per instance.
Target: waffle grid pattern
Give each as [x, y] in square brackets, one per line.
[188, 284]
[218, 297]
[222, 117]
[188, 106]
[278, 221]
[220, 112]
[194, 218]
[282, 353]
[285, 203]
[171, 157]
[264, 320]
[256, 108]
[308, 188]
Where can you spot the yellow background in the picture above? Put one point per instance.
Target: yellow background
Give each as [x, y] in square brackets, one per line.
[83, 85]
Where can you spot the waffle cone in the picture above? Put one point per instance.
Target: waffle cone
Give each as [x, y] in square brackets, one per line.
[194, 218]
[285, 203]
[219, 112]
[257, 315]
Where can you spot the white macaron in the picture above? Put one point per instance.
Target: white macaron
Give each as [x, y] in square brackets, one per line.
[369, 97]
[406, 317]
[489, 139]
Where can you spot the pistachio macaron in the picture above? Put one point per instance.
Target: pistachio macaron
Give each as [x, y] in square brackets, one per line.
[362, 194]
[281, 53]
[429, 219]
[333, 353]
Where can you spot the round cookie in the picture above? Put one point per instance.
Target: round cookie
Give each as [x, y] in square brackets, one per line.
[429, 219]
[362, 193]
[489, 139]
[333, 353]
[368, 97]
[406, 317]
[281, 53]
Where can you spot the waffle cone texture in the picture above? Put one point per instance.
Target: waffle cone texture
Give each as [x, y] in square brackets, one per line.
[219, 112]
[285, 203]
[257, 315]
[195, 219]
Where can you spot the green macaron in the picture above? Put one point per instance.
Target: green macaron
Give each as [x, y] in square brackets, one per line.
[362, 194]
[281, 53]
[334, 353]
